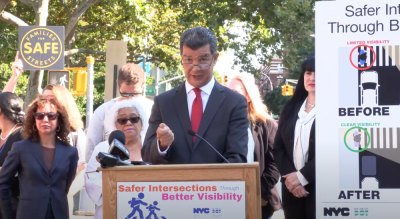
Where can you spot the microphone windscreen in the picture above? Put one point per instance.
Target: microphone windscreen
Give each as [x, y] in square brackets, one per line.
[117, 134]
[191, 132]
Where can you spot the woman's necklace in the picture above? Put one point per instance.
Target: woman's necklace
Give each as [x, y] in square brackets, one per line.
[9, 133]
[312, 105]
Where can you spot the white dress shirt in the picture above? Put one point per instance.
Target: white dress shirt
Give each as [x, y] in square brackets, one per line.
[301, 139]
[80, 144]
[191, 95]
[250, 147]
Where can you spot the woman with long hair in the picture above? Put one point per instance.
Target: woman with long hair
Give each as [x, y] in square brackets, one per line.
[130, 117]
[261, 139]
[44, 162]
[294, 148]
[11, 119]
[77, 135]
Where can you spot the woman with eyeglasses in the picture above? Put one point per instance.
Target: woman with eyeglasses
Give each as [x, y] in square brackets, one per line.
[131, 80]
[130, 117]
[44, 162]
[11, 119]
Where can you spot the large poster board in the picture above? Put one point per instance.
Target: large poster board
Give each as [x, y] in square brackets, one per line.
[358, 97]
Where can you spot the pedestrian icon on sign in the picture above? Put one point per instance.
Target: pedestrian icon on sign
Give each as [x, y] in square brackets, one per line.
[59, 78]
[63, 80]
[135, 204]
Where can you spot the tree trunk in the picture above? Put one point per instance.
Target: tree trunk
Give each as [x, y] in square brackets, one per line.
[36, 77]
[3, 4]
[34, 87]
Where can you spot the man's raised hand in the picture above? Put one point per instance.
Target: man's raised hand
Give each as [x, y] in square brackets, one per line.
[165, 136]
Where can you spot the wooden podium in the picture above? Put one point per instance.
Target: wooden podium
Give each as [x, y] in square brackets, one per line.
[247, 172]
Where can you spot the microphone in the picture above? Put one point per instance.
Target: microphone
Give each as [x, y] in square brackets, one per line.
[118, 154]
[106, 160]
[117, 134]
[118, 149]
[192, 133]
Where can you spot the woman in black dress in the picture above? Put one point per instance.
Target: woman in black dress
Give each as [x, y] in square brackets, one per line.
[11, 119]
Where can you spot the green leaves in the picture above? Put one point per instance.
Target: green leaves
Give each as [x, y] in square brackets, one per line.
[275, 101]
[5, 75]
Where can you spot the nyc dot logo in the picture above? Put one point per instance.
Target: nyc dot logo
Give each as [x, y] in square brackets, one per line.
[41, 48]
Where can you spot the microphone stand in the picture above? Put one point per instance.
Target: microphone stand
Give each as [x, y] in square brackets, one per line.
[191, 132]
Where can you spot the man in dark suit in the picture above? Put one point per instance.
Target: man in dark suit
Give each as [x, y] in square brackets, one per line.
[201, 104]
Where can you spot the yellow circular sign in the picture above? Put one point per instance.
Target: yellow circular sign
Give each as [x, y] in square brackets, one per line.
[41, 47]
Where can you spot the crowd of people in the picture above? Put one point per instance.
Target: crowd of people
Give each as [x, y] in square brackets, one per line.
[45, 153]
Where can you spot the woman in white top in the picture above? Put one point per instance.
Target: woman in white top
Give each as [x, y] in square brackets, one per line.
[130, 117]
[294, 147]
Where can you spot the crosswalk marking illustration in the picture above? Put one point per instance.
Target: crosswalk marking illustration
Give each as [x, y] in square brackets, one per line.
[381, 138]
[385, 56]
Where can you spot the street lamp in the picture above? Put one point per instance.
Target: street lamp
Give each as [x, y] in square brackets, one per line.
[272, 87]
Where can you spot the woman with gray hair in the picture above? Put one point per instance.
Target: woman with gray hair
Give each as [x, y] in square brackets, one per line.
[130, 117]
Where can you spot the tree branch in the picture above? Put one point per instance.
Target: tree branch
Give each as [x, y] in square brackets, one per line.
[83, 63]
[85, 28]
[69, 38]
[85, 5]
[86, 51]
[66, 8]
[11, 19]
[3, 4]
[29, 3]
[164, 44]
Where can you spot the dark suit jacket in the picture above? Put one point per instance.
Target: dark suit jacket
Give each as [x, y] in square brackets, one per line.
[37, 185]
[224, 125]
[264, 136]
[284, 145]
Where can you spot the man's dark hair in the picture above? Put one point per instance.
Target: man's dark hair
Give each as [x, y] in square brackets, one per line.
[198, 37]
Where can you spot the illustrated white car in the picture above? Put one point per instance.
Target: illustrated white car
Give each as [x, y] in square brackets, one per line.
[369, 88]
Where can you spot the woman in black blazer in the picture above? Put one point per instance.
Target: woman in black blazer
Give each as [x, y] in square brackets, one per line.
[294, 147]
[261, 140]
[45, 164]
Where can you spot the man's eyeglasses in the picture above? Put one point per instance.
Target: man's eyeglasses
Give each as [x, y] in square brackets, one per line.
[130, 94]
[133, 120]
[203, 63]
[50, 116]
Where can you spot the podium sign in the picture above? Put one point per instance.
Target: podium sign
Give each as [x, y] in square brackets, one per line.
[194, 183]
[169, 200]
[58, 78]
